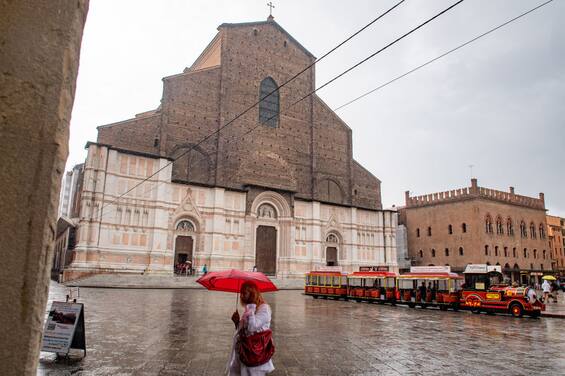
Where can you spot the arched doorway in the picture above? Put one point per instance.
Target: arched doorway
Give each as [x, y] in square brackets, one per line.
[266, 240]
[266, 250]
[184, 247]
[332, 246]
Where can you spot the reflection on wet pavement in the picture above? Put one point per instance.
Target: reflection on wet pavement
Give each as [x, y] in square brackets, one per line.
[188, 332]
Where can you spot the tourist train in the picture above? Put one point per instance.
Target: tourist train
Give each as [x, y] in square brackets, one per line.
[479, 290]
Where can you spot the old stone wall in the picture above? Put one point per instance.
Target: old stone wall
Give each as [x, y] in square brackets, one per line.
[139, 134]
[190, 114]
[308, 153]
[39, 57]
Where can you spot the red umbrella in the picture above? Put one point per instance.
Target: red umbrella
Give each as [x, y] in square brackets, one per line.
[231, 281]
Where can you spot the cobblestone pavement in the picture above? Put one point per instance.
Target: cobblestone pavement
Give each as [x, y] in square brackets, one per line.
[177, 332]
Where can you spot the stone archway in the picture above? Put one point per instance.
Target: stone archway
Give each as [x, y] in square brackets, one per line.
[271, 220]
[184, 247]
[332, 247]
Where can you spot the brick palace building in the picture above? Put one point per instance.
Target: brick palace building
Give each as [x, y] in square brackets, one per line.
[481, 226]
[287, 197]
[556, 243]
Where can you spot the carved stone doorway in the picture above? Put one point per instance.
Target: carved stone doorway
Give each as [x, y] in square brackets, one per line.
[266, 250]
[183, 253]
[331, 256]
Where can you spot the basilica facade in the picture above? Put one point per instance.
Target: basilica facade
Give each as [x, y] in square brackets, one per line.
[209, 178]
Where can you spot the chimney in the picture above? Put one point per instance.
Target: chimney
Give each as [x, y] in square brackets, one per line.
[474, 188]
[512, 190]
[542, 197]
[406, 197]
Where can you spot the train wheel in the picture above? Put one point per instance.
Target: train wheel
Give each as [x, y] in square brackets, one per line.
[516, 310]
[315, 296]
[476, 310]
[455, 307]
[443, 307]
[411, 305]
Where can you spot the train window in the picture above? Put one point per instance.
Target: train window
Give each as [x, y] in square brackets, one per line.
[442, 285]
[355, 282]
[335, 281]
[320, 280]
[389, 282]
[405, 283]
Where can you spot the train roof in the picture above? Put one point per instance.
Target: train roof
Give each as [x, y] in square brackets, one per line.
[326, 272]
[371, 274]
[441, 275]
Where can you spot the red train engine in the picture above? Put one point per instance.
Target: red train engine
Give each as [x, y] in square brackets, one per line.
[484, 291]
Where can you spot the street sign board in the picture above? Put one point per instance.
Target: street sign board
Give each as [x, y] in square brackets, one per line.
[430, 269]
[64, 328]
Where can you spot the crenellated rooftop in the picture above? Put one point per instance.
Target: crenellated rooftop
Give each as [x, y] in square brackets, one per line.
[474, 191]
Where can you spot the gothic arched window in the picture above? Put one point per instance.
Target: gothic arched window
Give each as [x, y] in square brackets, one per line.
[523, 231]
[488, 225]
[269, 105]
[509, 226]
[499, 227]
[532, 230]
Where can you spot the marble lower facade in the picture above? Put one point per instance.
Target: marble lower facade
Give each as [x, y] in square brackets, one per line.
[152, 227]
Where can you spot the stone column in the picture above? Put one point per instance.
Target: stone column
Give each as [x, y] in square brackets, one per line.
[39, 55]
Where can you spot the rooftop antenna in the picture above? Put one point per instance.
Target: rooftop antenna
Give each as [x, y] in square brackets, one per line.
[471, 169]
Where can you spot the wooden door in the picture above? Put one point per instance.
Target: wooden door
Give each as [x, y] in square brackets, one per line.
[331, 256]
[183, 249]
[266, 250]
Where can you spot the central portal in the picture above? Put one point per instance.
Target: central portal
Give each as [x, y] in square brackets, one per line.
[183, 254]
[331, 256]
[266, 250]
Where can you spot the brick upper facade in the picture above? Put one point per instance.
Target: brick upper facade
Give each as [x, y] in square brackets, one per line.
[308, 156]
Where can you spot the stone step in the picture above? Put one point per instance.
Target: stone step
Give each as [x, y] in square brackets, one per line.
[161, 282]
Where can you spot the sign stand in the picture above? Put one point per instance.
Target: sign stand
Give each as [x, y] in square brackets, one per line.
[64, 329]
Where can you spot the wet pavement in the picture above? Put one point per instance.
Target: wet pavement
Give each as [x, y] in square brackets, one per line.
[188, 332]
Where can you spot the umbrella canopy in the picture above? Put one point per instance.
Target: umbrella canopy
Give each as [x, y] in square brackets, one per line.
[231, 281]
[549, 277]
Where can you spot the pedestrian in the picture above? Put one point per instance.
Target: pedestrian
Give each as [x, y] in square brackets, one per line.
[546, 287]
[423, 292]
[254, 268]
[204, 269]
[554, 291]
[532, 295]
[255, 319]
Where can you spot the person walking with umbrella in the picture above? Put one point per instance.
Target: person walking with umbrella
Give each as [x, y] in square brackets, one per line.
[256, 319]
[252, 347]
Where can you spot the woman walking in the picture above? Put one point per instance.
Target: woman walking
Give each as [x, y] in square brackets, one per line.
[255, 319]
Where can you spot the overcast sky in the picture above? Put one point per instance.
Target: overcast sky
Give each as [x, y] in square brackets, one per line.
[497, 104]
